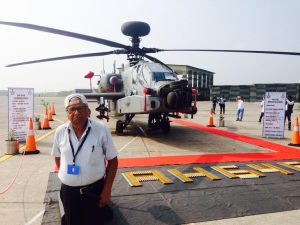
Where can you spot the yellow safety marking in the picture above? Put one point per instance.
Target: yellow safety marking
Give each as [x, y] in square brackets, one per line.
[291, 165]
[247, 174]
[194, 175]
[161, 177]
[186, 177]
[237, 173]
[59, 120]
[222, 169]
[206, 173]
[269, 168]
[147, 178]
[131, 179]
[2, 158]
[142, 172]
[181, 176]
[45, 135]
[134, 178]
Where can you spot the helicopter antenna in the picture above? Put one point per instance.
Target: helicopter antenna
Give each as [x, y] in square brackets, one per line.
[103, 70]
[114, 66]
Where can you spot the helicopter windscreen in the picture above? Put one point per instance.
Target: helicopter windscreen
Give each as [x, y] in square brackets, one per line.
[163, 76]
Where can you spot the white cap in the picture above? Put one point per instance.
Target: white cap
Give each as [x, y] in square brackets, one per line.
[69, 101]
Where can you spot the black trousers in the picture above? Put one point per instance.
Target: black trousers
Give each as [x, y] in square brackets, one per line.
[222, 108]
[82, 209]
[288, 117]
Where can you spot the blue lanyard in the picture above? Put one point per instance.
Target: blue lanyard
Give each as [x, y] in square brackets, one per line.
[80, 146]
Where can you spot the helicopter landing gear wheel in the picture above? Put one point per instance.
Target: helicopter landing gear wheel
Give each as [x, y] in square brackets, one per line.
[119, 127]
[158, 120]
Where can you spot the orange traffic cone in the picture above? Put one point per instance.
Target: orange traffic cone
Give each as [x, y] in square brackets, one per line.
[50, 115]
[45, 125]
[30, 147]
[295, 136]
[211, 120]
[52, 109]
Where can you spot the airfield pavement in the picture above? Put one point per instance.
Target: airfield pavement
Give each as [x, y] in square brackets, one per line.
[26, 177]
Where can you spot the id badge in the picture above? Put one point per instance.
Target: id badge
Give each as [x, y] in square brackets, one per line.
[73, 169]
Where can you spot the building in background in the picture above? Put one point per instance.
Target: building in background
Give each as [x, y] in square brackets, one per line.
[255, 92]
[199, 79]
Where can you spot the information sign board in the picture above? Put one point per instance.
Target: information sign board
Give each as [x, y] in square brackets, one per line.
[273, 123]
[20, 108]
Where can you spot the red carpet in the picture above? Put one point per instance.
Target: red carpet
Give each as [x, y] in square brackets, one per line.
[281, 152]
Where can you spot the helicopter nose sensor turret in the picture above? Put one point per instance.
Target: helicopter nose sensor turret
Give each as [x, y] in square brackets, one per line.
[176, 94]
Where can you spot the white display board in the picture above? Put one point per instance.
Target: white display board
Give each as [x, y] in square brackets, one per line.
[273, 123]
[20, 108]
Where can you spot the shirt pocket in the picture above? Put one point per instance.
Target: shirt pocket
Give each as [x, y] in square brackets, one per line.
[96, 155]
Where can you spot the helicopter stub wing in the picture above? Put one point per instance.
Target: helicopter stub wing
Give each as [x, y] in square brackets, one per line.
[109, 95]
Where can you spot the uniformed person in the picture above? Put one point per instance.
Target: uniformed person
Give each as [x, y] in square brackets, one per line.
[289, 104]
[81, 148]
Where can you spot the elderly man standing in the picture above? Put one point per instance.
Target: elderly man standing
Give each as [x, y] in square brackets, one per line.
[81, 148]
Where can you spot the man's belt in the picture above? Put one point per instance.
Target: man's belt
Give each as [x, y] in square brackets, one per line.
[87, 192]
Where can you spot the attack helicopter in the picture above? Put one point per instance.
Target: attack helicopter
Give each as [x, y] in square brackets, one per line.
[143, 87]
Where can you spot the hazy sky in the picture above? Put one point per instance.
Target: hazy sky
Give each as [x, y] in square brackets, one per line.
[213, 24]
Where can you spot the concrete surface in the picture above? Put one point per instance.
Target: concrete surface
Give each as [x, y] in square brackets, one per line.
[27, 176]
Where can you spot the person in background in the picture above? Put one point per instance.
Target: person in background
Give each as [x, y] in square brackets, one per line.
[81, 149]
[289, 104]
[262, 113]
[214, 103]
[222, 101]
[240, 109]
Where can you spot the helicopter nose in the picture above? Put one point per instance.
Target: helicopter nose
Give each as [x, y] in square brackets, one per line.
[178, 99]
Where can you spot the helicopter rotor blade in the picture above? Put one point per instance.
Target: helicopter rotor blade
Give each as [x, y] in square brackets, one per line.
[228, 50]
[66, 33]
[157, 61]
[64, 57]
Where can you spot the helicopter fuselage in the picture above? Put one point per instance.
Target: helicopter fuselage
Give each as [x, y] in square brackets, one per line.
[148, 88]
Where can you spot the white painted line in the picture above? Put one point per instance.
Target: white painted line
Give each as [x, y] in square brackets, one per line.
[128, 143]
[35, 217]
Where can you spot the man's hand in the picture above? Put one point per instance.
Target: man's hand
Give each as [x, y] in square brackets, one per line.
[104, 197]
[111, 170]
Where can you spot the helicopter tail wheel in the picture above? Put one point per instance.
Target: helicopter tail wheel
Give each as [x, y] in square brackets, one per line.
[119, 127]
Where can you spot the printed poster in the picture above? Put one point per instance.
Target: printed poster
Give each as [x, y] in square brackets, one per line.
[273, 122]
[20, 108]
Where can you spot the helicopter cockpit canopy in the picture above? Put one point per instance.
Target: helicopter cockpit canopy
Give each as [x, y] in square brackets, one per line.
[164, 76]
